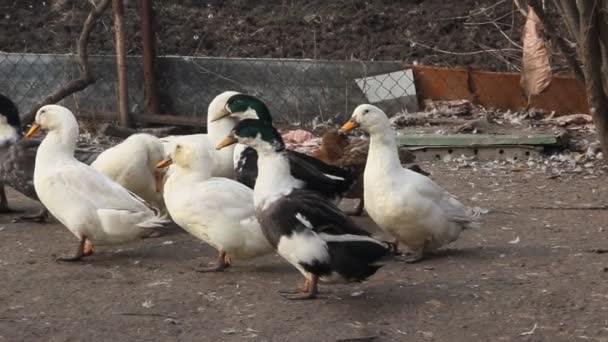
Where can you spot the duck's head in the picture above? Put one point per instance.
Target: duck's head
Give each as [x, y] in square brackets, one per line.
[370, 118]
[217, 108]
[256, 134]
[188, 155]
[9, 114]
[333, 137]
[245, 106]
[54, 118]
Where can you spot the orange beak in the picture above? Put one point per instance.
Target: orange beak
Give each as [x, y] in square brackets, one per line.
[349, 125]
[229, 140]
[164, 163]
[35, 128]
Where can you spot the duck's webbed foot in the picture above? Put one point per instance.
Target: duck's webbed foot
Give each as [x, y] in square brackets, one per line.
[40, 217]
[223, 262]
[310, 290]
[85, 248]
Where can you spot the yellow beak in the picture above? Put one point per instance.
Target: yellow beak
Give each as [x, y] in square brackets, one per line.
[229, 140]
[164, 163]
[349, 125]
[35, 128]
[224, 114]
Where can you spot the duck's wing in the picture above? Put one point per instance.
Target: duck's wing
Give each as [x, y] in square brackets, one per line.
[355, 154]
[453, 209]
[223, 197]
[246, 165]
[82, 182]
[326, 179]
[317, 213]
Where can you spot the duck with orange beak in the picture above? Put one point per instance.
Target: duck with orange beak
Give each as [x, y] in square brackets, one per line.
[408, 205]
[304, 227]
[216, 210]
[96, 209]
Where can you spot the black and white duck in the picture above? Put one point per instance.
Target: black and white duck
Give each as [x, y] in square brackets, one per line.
[310, 173]
[305, 228]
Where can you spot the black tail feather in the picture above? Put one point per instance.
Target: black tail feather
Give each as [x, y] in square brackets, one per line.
[356, 260]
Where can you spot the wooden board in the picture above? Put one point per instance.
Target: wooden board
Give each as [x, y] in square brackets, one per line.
[473, 140]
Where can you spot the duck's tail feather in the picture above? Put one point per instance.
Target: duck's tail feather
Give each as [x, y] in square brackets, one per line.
[356, 257]
[474, 214]
[156, 221]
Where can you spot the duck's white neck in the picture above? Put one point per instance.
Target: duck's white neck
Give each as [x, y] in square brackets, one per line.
[58, 146]
[383, 155]
[274, 178]
[217, 131]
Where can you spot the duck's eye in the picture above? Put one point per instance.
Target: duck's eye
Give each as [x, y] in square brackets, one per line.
[178, 147]
[366, 111]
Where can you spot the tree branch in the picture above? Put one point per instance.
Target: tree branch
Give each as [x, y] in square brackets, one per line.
[570, 14]
[559, 41]
[86, 78]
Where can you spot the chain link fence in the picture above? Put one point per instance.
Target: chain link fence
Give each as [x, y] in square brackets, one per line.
[298, 91]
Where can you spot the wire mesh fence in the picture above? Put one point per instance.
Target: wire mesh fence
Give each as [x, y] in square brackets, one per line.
[298, 91]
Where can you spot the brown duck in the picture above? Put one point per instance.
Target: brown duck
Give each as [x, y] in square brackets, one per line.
[339, 150]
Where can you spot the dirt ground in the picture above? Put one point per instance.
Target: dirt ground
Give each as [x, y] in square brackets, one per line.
[528, 274]
[318, 29]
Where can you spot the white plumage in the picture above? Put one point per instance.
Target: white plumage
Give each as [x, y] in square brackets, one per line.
[218, 129]
[406, 204]
[216, 210]
[92, 206]
[132, 164]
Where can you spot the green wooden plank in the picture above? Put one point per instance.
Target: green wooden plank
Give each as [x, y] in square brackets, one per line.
[478, 139]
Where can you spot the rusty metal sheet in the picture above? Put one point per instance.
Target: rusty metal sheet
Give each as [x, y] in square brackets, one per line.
[498, 90]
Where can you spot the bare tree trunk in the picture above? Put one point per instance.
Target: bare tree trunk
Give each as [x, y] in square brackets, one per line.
[86, 78]
[603, 22]
[121, 64]
[591, 56]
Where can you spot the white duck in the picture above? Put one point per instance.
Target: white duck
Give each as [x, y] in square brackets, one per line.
[408, 205]
[217, 210]
[132, 164]
[219, 124]
[93, 207]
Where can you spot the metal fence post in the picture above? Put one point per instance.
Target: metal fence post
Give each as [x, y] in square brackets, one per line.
[121, 64]
[148, 42]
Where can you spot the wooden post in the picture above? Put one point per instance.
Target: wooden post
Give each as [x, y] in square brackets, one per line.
[148, 42]
[121, 64]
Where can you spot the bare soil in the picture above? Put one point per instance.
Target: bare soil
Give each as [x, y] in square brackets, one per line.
[319, 29]
[528, 274]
